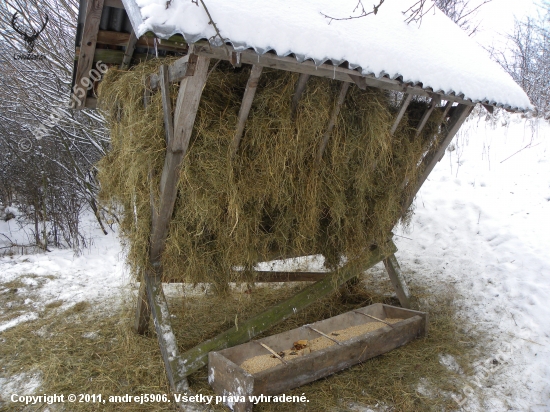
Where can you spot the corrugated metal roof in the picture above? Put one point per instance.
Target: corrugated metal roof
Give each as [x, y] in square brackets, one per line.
[445, 70]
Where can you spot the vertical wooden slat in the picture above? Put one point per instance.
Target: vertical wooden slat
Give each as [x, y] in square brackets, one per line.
[130, 47]
[298, 91]
[333, 119]
[402, 109]
[88, 45]
[246, 104]
[433, 104]
[398, 281]
[432, 158]
[166, 104]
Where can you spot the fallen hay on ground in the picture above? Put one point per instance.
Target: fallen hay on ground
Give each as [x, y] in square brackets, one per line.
[82, 351]
[273, 198]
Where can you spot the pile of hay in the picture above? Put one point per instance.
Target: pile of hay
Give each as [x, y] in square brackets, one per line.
[273, 198]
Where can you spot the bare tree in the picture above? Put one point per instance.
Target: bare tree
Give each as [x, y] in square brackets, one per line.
[49, 174]
[527, 59]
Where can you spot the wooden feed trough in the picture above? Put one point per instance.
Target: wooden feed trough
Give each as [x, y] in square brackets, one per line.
[109, 31]
[228, 378]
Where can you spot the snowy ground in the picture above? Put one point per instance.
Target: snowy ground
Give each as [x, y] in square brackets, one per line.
[482, 223]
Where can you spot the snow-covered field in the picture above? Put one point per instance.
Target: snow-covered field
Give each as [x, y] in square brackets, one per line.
[482, 223]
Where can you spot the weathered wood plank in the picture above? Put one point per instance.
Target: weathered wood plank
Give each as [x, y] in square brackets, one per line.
[398, 281]
[117, 4]
[88, 45]
[109, 56]
[333, 120]
[298, 91]
[433, 104]
[289, 276]
[184, 118]
[143, 311]
[173, 364]
[177, 71]
[273, 276]
[129, 52]
[166, 104]
[115, 38]
[248, 98]
[308, 67]
[402, 109]
[197, 357]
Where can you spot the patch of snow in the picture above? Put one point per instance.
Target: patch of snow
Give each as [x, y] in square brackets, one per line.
[381, 44]
[21, 384]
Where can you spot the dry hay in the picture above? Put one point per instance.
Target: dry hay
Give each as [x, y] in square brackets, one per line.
[82, 351]
[272, 198]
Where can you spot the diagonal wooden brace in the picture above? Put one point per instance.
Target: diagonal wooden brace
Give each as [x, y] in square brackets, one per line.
[197, 357]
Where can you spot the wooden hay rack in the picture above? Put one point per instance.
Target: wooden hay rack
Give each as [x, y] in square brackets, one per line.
[190, 72]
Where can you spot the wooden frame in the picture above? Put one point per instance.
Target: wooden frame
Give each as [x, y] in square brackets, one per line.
[191, 71]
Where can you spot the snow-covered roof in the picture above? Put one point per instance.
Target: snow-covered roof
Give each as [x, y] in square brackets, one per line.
[436, 54]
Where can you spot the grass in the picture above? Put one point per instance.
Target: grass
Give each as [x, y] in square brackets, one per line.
[80, 350]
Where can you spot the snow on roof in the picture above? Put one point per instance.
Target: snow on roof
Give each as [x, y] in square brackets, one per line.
[436, 53]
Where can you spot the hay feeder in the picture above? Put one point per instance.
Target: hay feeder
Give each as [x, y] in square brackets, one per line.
[112, 31]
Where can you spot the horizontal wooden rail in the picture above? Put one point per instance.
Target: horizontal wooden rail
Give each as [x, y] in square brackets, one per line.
[197, 357]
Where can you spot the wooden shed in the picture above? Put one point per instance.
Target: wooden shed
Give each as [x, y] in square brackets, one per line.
[433, 60]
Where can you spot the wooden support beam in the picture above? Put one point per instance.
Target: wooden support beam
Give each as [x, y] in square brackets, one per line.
[268, 276]
[445, 112]
[298, 91]
[143, 311]
[173, 364]
[402, 109]
[115, 38]
[433, 104]
[177, 71]
[398, 281]
[129, 52]
[88, 44]
[166, 104]
[117, 4]
[333, 120]
[110, 56]
[459, 116]
[184, 118]
[203, 48]
[246, 104]
[197, 357]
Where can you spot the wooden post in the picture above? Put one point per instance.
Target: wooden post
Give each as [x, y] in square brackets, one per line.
[398, 281]
[186, 109]
[298, 91]
[333, 119]
[87, 47]
[402, 109]
[246, 104]
[178, 134]
[197, 357]
[130, 47]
